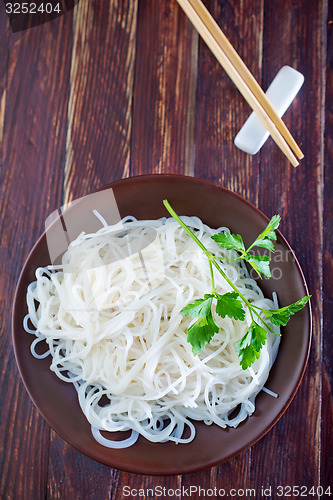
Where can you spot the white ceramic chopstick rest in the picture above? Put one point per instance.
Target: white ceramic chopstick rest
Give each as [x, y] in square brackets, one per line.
[281, 93]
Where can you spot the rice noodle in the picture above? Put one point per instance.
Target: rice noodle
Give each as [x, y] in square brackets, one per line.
[123, 344]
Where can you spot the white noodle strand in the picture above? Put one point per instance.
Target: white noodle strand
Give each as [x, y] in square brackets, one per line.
[122, 341]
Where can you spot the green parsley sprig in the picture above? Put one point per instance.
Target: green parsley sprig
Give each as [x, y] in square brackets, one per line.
[232, 304]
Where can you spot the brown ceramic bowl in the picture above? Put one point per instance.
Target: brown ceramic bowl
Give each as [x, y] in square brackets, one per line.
[57, 401]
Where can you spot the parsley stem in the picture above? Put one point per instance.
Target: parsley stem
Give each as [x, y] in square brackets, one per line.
[211, 258]
[187, 229]
[212, 275]
[227, 258]
[231, 283]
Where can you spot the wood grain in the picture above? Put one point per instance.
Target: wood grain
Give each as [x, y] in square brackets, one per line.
[217, 159]
[221, 110]
[33, 149]
[326, 456]
[69, 472]
[4, 44]
[164, 91]
[99, 124]
[113, 89]
[297, 197]
[100, 97]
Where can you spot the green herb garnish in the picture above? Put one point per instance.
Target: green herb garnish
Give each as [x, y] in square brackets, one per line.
[235, 242]
[232, 304]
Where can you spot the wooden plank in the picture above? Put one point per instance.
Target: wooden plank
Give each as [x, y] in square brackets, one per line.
[164, 92]
[221, 110]
[218, 481]
[100, 100]
[4, 41]
[71, 472]
[170, 131]
[97, 151]
[31, 175]
[296, 195]
[115, 139]
[326, 458]
[146, 487]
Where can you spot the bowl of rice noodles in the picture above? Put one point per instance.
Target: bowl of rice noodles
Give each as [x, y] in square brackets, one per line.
[101, 343]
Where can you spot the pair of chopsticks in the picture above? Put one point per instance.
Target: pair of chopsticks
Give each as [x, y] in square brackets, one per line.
[241, 76]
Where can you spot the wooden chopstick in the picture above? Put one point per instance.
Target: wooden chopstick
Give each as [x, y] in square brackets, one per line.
[245, 74]
[240, 75]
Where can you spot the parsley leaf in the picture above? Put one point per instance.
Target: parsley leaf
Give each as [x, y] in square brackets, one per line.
[268, 232]
[249, 347]
[229, 305]
[204, 328]
[265, 243]
[280, 317]
[201, 332]
[265, 238]
[200, 307]
[260, 263]
[230, 241]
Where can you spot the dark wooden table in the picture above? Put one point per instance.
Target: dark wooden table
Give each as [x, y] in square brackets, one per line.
[120, 88]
